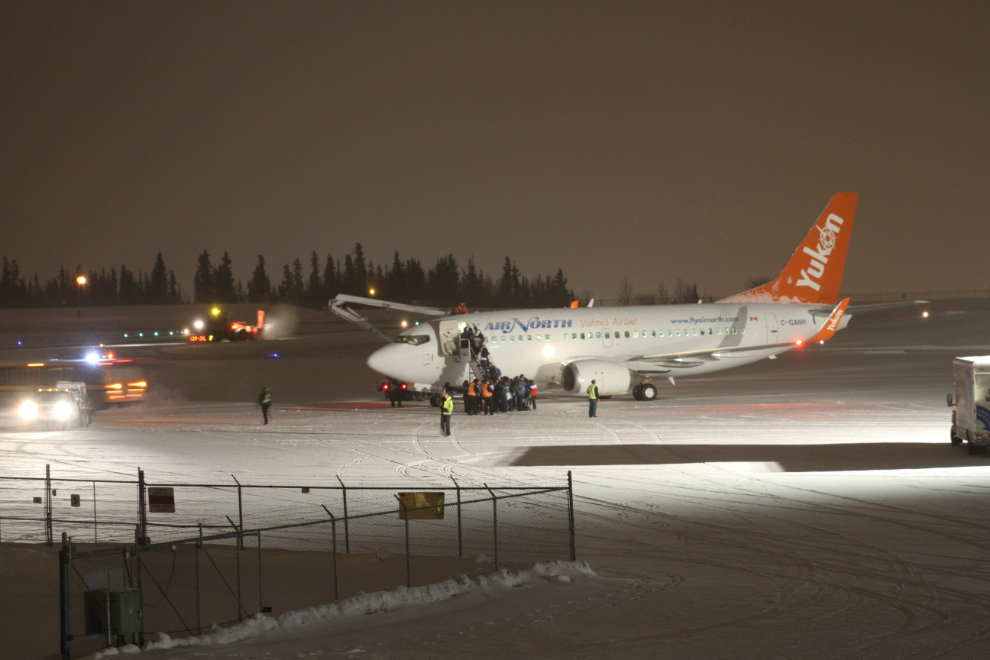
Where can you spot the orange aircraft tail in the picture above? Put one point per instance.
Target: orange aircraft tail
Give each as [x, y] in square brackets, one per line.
[814, 273]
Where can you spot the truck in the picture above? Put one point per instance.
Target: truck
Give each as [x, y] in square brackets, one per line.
[971, 403]
[218, 328]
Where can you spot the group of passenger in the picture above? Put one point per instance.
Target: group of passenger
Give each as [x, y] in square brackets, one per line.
[488, 396]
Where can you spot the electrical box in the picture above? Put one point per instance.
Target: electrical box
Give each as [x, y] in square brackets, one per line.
[113, 611]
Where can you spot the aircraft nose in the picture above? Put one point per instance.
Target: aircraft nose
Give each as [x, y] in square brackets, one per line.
[380, 360]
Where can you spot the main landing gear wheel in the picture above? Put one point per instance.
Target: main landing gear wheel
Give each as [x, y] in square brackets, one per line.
[955, 439]
[434, 401]
[647, 392]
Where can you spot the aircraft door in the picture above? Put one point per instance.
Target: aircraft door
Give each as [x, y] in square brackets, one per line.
[772, 329]
[607, 338]
[449, 343]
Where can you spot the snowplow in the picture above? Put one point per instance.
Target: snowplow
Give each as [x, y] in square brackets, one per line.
[218, 328]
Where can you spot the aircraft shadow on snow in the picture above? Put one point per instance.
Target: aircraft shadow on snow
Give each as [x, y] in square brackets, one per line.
[791, 458]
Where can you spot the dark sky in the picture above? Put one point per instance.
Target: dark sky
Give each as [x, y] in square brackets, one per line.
[655, 140]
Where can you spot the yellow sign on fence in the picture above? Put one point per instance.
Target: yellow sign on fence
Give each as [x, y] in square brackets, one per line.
[421, 506]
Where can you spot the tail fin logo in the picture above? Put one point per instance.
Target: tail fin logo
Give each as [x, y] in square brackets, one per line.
[819, 255]
[813, 275]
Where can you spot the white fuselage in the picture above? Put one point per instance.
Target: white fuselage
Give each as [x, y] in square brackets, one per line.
[539, 343]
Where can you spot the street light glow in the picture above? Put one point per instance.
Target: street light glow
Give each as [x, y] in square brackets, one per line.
[81, 280]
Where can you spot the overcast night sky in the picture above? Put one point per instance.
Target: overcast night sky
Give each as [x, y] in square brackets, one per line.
[655, 140]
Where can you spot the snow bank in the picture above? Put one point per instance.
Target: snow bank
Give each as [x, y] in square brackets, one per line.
[314, 618]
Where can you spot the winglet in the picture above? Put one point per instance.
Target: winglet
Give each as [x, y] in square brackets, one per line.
[831, 324]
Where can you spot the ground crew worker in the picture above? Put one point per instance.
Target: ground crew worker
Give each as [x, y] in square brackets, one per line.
[265, 401]
[532, 394]
[473, 397]
[593, 400]
[446, 410]
[486, 397]
[394, 393]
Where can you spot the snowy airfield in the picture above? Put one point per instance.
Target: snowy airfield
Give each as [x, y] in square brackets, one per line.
[809, 506]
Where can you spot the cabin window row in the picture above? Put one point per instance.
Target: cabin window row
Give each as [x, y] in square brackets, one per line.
[628, 334]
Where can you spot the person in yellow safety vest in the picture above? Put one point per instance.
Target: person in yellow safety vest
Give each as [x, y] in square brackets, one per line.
[593, 400]
[446, 410]
[486, 397]
[265, 401]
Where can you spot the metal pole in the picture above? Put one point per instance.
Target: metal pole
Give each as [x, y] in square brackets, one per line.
[48, 506]
[261, 599]
[347, 535]
[405, 515]
[64, 556]
[240, 599]
[96, 534]
[460, 543]
[494, 523]
[333, 532]
[240, 510]
[570, 513]
[199, 602]
[142, 512]
[140, 582]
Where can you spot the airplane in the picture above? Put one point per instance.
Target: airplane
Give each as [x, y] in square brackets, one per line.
[625, 349]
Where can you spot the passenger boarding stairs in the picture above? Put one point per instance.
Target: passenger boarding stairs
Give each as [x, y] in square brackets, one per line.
[482, 368]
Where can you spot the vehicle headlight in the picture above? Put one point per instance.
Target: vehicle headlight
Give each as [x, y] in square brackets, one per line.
[62, 410]
[28, 410]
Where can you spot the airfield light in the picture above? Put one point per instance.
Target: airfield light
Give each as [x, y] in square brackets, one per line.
[140, 334]
[417, 322]
[215, 311]
[156, 334]
[110, 355]
[81, 280]
[125, 335]
[548, 351]
[92, 357]
[924, 315]
[198, 324]
[19, 343]
[404, 324]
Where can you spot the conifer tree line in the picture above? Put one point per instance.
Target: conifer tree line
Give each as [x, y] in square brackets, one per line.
[311, 285]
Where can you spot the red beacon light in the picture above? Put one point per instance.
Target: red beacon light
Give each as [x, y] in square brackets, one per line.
[404, 386]
[798, 342]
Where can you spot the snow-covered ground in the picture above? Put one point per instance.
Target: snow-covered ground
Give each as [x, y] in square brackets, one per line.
[810, 506]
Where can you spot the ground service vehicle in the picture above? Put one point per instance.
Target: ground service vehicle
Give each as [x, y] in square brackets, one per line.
[217, 328]
[55, 407]
[108, 381]
[971, 402]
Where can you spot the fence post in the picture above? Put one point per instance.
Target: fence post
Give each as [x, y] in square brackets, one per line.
[199, 602]
[570, 513]
[142, 512]
[333, 532]
[347, 535]
[240, 599]
[48, 506]
[64, 556]
[240, 510]
[460, 543]
[261, 600]
[494, 523]
[405, 515]
[140, 578]
[96, 534]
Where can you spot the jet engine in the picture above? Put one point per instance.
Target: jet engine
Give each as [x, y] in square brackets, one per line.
[611, 377]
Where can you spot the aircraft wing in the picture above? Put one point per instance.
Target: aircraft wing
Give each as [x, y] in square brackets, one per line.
[866, 309]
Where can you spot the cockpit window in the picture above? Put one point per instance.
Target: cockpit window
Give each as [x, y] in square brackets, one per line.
[415, 340]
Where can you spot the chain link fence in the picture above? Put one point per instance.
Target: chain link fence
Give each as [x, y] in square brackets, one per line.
[140, 558]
